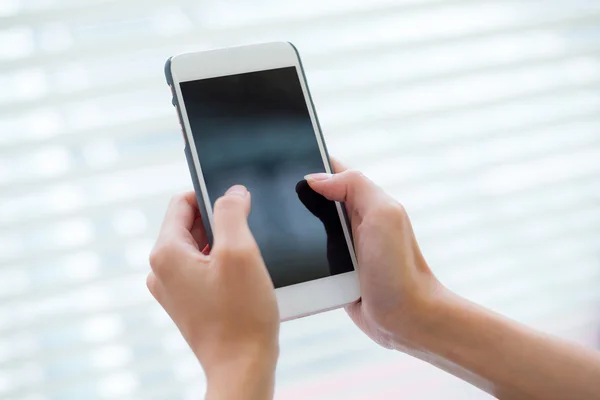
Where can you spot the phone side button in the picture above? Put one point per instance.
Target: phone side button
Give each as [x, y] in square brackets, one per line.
[180, 123]
[174, 98]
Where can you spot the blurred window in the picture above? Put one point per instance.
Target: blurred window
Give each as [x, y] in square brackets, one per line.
[483, 118]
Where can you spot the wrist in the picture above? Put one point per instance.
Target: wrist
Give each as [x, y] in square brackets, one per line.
[250, 374]
[434, 315]
[452, 336]
[449, 330]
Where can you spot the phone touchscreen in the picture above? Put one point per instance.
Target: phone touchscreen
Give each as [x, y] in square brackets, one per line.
[255, 129]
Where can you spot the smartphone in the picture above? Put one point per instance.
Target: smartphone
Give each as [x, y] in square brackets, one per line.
[247, 118]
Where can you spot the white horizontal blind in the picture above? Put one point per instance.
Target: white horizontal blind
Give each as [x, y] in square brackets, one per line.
[482, 117]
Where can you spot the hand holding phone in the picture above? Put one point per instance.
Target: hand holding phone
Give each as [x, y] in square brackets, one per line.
[396, 282]
[403, 306]
[197, 290]
[247, 118]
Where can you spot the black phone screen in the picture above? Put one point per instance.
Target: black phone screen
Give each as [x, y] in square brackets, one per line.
[254, 129]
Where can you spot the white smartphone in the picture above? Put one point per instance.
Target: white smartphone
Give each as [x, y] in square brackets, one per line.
[247, 118]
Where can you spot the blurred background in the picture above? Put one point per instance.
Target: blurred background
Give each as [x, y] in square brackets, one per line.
[482, 117]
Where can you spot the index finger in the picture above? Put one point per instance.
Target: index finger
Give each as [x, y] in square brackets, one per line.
[231, 218]
[338, 166]
[179, 219]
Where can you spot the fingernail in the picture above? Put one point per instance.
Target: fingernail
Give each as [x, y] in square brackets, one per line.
[237, 190]
[321, 176]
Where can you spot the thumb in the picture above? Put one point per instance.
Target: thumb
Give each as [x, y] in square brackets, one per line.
[351, 187]
[230, 216]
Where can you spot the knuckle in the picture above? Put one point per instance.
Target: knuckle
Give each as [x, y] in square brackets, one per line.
[175, 199]
[151, 284]
[391, 212]
[161, 257]
[156, 256]
[237, 253]
[225, 203]
[354, 175]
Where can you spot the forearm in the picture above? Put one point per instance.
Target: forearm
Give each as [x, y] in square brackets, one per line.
[247, 379]
[503, 357]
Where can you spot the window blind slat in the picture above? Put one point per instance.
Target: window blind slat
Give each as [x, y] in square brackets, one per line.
[480, 116]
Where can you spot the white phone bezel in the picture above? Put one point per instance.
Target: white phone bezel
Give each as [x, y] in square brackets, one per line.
[304, 298]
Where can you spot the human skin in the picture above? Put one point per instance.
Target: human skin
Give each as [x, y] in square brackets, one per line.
[224, 303]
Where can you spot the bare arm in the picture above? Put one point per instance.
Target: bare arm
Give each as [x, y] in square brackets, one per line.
[251, 376]
[503, 357]
[404, 307]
